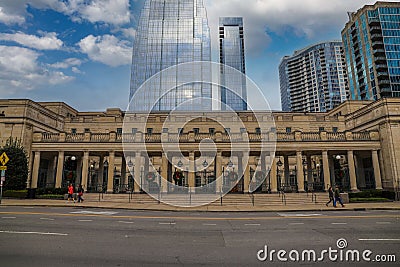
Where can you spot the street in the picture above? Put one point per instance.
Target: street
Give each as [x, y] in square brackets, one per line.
[72, 236]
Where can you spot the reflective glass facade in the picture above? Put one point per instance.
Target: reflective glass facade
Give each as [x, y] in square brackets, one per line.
[372, 43]
[171, 32]
[231, 43]
[314, 79]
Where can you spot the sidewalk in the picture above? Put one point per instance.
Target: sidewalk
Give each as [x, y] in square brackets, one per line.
[223, 208]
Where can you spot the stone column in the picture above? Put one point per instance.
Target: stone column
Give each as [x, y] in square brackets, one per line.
[164, 173]
[286, 167]
[85, 169]
[246, 178]
[101, 171]
[137, 172]
[35, 171]
[264, 171]
[300, 171]
[110, 176]
[124, 177]
[274, 176]
[218, 172]
[309, 170]
[352, 171]
[191, 174]
[377, 173]
[327, 174]
[30, 165]
[79, 170]
[60, 169]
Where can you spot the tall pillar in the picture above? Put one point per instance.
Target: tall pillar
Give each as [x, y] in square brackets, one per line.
[164, 173]
[85, 169]
[30, 166]
[273, 176]
[35, 171]
[309, 170]
[332, 170]
[100, 175]
[191, 174]
[79, 170]
[263, 170]
[352, 171]
[218, 170]
[325, 165]
[60, 169]
[138, 172]
[110, 176]
[124, 177]
[286, 169]
[377, 173]
[300, 171]
[246, 176]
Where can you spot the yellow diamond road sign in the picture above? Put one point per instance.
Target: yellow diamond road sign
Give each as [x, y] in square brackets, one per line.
[4, 159]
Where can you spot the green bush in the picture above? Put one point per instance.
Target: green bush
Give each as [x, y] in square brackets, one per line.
[15, 193]
[373, 194]
[371, 199]
[50, 196]
[51, 191]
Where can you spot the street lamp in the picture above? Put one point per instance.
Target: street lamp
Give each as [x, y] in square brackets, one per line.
[278, 165]
[105, 181]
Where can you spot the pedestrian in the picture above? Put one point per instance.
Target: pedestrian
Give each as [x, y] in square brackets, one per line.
[80, 193]
[70, 193]
[331, 198]
[337, 197]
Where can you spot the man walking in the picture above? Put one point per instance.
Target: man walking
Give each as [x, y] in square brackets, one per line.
[331, 198]
[337, 197]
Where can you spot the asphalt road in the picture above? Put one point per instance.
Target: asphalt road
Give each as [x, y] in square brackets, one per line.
[98, 237]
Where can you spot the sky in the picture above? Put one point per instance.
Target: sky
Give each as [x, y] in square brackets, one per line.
[80, 51]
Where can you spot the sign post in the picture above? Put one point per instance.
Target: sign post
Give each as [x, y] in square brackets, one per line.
[3, 161]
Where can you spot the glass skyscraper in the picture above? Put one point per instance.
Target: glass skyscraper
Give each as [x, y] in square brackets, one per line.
[231, 48]
[171, 32]
[314, 79]
[371, 40]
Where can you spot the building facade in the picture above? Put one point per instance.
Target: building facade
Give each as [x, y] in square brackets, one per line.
[232, 55]
[314, 79]
[170, 33]
[371, 40]
[354, 145]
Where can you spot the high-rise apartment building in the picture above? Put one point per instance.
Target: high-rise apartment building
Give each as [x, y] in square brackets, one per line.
[314, 79]
[232, 57]
[171, 32]
[371, 40]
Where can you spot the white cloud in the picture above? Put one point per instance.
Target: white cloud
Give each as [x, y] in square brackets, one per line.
[110, 11]
[129, 33]
[69, 62]
[9, 19]
[304, 18]
[20, 71]
[48, 41]
[107, 49]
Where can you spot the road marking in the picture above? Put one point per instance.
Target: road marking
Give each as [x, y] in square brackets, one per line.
[47, 219]
[167, 223]
[296, 223]
[209, 224]
[33, 233]
[94, 212]
[298, 215]
[252, 224]
[338, 223]
[377, 239]
[383, 223]
[9, 217]
[85, 220]
[124, 222]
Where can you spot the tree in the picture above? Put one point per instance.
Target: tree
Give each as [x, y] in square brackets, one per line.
[17, 166]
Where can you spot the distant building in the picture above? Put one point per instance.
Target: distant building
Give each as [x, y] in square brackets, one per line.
[371, 40]
[170, 33]
[231, 51]
[314, 79]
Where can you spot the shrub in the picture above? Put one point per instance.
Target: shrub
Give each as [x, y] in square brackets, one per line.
[373, 194]
[50, 196]
[371, 199]
[51, 191]
[15, 193]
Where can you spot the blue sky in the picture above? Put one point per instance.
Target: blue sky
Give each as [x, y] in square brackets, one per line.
[79, 51]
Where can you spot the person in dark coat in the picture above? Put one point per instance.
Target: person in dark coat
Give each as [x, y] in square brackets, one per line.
[337, 197]
[331, 198]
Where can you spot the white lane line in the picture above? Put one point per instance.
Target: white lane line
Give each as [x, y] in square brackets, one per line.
[339, 223]
[94, 212]
[47, 219]
[85, 220]
[378, 239]
[299, 215]
[32, 233]
[209, 224]
[9, 217]
[296, 223]
[383, 223]
[161, 223]
[124, 222]
[252, 224]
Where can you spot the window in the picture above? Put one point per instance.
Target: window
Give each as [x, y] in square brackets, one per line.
[196, 130]
[335, 129]
[149, 131]
[73, 130]
[273, 129]
[119, 130]
[134, 130]
[211, 131]
[180, 131]
[87, 130]
[228, 130]
[288, 129]
[243, 130]
[258, 130]
[165, 130]
[321, 129]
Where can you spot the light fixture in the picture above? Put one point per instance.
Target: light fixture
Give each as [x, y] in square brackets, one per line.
[106, 163]
[230, 164]
[73, 158]
[180, 164]
[338, 157]
[205, 163]
[304, 162]
[279, 163]
[130, 164]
